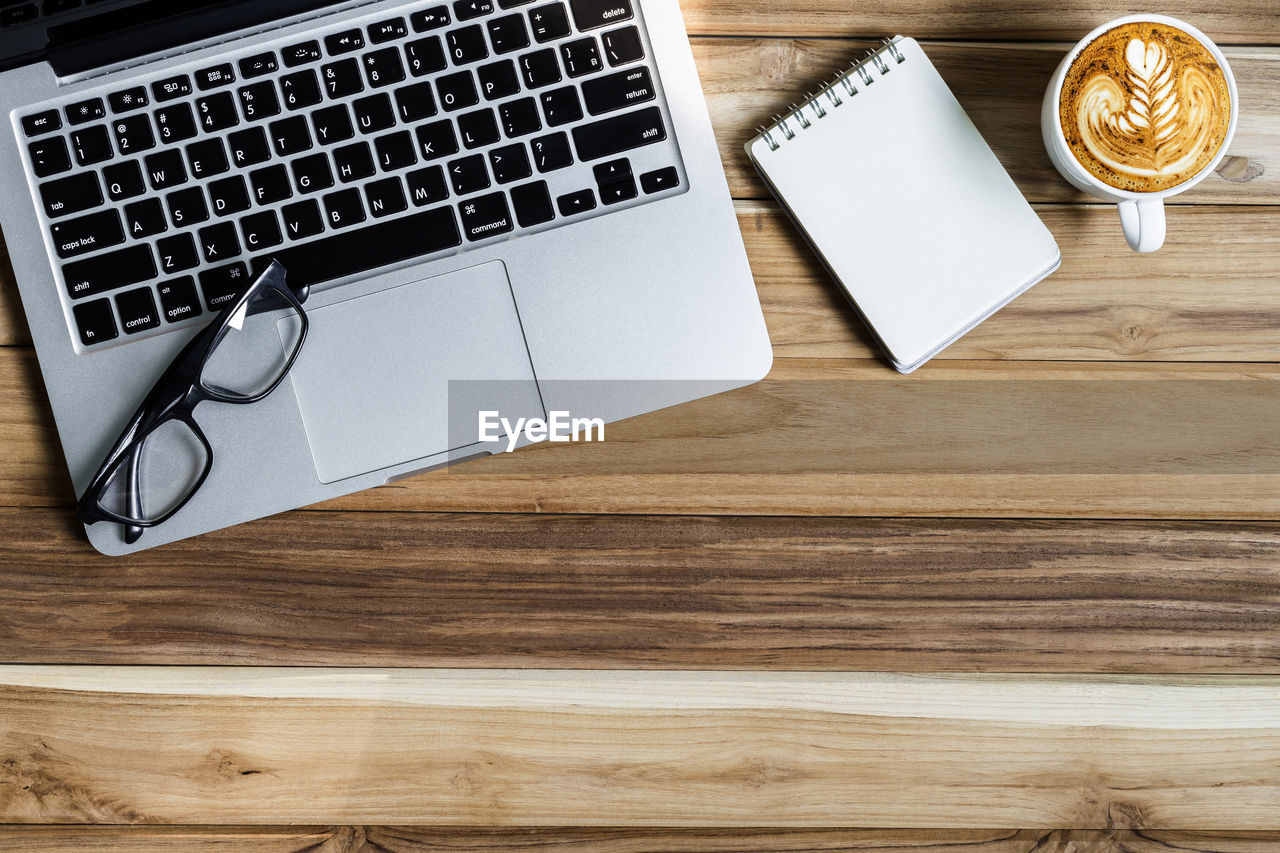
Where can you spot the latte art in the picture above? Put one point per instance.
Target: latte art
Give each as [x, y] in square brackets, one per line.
[1145, 107]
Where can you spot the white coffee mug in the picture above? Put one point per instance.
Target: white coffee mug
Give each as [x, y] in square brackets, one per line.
[1141, 214]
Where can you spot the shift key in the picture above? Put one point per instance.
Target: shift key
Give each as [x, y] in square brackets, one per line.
[87, 234]
[109, 272]
[619, 133]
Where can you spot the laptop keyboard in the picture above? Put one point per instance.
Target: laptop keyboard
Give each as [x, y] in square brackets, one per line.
[355, 149]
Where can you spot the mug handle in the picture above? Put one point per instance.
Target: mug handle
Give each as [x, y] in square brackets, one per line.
[1143, 223]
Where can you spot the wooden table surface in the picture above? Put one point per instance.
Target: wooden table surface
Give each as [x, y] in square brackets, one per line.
[894, 641]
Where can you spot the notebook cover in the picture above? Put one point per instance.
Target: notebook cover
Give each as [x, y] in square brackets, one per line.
[907, 206]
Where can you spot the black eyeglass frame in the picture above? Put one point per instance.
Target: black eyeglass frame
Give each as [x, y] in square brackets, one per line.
[180, 389]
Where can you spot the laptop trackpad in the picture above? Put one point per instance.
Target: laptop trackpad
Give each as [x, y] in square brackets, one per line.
[373, 379]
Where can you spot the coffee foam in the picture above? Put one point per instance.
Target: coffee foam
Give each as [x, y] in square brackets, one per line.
[1145, 107]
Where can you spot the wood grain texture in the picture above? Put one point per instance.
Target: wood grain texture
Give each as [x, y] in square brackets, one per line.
[408, 839]
[1000, 85]
[366, 589]
[626, 748]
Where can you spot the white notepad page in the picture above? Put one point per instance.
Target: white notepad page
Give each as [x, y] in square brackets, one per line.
[907, 206]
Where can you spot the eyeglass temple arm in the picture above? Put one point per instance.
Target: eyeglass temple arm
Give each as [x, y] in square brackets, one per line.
[132, 533]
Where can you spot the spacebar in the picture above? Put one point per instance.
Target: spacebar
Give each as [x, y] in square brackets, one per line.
[362, 249]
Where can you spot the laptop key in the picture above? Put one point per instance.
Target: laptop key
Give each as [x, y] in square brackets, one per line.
[465, 10]
[561, 106]
[427, 186]
[124, 180]
[659, 180]
[540, 68]
[519, 117]
[178, 299]
[69, 195]
[271, 184]
[301, 54]
[95, 322]
[619, 133]
[589, 14]
[344, 42]
[110, 271]
[532, 204]
[388, 30]
[509, 163]
[425, 56]
[415, 102]
[383, 68]
[212, 78]
[49, 156]
[217, 112]
[176, 123]
[498, 79]
[616, 91]
[74, 237]
[312, 174]
[301, 220]
[261, 231]
[436, 139]
[91, 145]
[466, 44]
[166, 169]
[145, 218]
[549, 22]
[259, 101]
[229, 195]
[374, 113]
[137, 311]
[291, 136]
[354, 162]
[133, 134]
[551, 152]
[622, 45]
[219, 242]
[342, 79]
[468, 174]
[478, 128]
[457, 91]
[177, 253]
[577, 202]
[332, 124]
[86, 111]
[207, 158]
[44, 122]
[508, 33]
[301, 89]
[249, 147]
[173, 87]
[344, 208]
[225, 284]
[581, 57]
[258, 65]
[396, 151]
[385, 197]
[430, 19]
[485, 216]
[187, 207]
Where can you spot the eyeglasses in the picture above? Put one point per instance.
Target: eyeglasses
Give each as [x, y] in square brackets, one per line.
[163, 458]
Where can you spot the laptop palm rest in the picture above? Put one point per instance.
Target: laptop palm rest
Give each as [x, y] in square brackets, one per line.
[373, 381]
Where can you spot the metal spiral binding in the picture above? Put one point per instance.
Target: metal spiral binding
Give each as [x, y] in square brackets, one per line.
[834, 91]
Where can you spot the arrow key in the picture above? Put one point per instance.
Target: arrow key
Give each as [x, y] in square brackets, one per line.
[579, 202]
[620, 190]
[659, 180]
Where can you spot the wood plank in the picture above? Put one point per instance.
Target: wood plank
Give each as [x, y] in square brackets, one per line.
[404, 839]
[1232, 21]
[626, 748]
[653, 592]
[1000, 85]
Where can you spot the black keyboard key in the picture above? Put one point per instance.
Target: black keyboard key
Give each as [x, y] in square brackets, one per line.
[532, 204]
[173, 87]
[436, 139]
[12, 15]
[344, 42]
[389, 30]
[219, 243]
[485, 216]
[177, 253]
[374, 113]
[175, 123]
[617, 191]
[45, 122]
[612, 170]
[216, 77]
[207, 158]
[166, 169]
[385, 197]
[354, 162]
[259, 101]
[312, 174]
[468, 174]
[376, 245]
[427, 186]
[425, 56]
[509, 163]
[430, 19]
[589, 14]
[620, 133]
[622, 45]
[261, 231]
[223, 285]
[257, 65]
[465, 10]
[300, 89]
[561, 106]
[457, 91]
[95, 321]
[581, 56]
[187, 207]
[540, 68]
[271, 184]
[551, 152]
[69, 195]
[145, 218]
[659, 180]
[579, 202]
[332, 124]
[291, 136]
[217, 112]
[478, 129]
[178, 299]
[83, 112]
[415, 103]
[301, 220]
[342, 78]
[301, 54]
[395, 151]
[498, 79]
[124, 180]
[344, 208]
[549, 22]
[49, 156]
[383, 68]
[129, 100]
[133, 134]
[511, 4]
[137, 311]
[249, 147]
[466, 44]
[91, 145]
[74, 237]
[508, 33]
[519, 117]
[111, 271]
[615, 91]
[228, 196]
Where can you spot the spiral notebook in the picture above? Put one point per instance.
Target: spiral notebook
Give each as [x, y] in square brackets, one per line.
[904, 202]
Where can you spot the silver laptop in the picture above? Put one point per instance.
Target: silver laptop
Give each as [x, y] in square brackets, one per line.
[524, 193]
